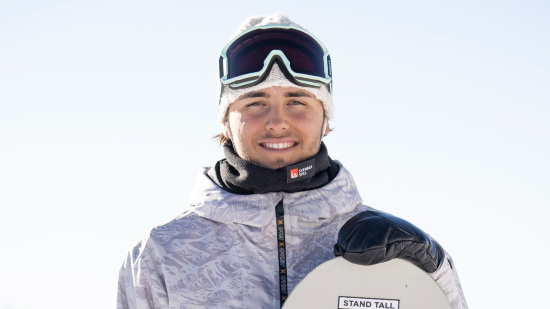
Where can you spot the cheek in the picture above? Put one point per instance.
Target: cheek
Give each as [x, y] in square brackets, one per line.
[244, 127]
[308, 124]
[234, 123]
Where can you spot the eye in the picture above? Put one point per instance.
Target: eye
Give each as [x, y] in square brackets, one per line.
[295, 103]
[254, 104]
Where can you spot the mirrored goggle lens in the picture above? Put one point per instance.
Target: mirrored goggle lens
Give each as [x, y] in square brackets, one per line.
[247, 54]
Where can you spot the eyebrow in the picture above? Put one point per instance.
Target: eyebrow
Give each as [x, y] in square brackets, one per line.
[299, 93]
[254, 94]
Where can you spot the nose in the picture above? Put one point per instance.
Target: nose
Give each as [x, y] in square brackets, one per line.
[277, 121]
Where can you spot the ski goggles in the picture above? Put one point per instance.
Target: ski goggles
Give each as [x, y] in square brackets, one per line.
[247, 59]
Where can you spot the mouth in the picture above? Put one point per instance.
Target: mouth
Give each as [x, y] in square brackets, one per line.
[284, 145]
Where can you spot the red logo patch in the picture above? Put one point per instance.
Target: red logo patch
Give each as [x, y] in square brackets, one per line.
[294, 173]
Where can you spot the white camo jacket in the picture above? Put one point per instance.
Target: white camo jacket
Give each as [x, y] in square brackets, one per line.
[223, 252]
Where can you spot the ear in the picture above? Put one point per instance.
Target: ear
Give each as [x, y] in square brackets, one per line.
[327, 127]
[227, 131]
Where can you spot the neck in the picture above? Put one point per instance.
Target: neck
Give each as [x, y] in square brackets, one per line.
[239, 176]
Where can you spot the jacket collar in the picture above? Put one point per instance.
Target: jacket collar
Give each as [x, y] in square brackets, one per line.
[338, 197]
[236, 175]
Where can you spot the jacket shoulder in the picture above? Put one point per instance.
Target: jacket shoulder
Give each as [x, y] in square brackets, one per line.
[185, 227]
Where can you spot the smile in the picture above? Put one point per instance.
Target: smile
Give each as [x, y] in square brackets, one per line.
[279, 145]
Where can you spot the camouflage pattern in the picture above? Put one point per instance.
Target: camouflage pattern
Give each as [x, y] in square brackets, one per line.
[223, 252]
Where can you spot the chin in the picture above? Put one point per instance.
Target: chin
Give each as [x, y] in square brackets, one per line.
[277, 164]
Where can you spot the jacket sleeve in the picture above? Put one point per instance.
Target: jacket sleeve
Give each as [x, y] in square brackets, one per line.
[447, 279]
[140, 286]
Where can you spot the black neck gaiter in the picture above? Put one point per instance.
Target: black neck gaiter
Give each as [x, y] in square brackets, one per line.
[236, 175]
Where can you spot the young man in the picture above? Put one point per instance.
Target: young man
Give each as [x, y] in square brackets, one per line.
[277, 206]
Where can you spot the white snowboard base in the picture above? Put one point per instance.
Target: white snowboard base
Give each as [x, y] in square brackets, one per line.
[396, 284]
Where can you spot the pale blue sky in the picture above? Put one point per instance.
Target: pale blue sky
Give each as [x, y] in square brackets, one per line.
[107, 109]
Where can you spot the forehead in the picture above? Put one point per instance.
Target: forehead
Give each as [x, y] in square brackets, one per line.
[276, 91]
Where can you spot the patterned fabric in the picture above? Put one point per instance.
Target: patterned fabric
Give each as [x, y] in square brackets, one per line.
[447, 278]
[223, 252]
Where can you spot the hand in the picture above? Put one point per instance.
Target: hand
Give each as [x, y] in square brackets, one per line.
[372, 237]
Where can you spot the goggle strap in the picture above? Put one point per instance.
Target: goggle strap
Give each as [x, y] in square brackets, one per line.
[222, 73]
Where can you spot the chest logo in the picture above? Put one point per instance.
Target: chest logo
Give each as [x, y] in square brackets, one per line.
[300, 171]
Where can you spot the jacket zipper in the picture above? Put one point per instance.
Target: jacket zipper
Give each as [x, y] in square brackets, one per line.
[281, 248]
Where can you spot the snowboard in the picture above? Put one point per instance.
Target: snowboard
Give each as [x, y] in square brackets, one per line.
[396, 284]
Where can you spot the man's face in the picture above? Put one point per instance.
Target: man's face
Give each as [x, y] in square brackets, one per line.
[276, 126]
